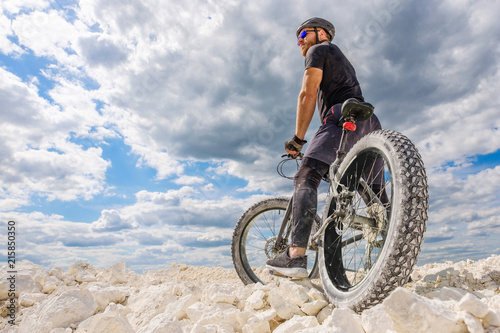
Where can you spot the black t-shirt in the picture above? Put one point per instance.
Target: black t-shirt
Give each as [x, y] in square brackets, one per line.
[339, 77]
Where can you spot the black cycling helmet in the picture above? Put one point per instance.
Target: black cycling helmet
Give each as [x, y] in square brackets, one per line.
[317, 22]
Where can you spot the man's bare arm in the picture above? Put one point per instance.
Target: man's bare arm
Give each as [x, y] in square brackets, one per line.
[306, 103]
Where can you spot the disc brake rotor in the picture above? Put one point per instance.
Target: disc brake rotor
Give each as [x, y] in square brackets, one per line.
[271, 248]
[378, 213]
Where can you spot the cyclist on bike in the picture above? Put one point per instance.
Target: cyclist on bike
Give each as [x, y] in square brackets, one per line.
[329, 80]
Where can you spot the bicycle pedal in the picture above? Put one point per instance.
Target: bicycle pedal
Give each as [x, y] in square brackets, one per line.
[278, 274]
[275, 273]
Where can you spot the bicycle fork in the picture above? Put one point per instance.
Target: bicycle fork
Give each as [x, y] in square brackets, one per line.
[282, 238]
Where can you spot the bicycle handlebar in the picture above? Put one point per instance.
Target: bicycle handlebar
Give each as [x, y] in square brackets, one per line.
[290, 156]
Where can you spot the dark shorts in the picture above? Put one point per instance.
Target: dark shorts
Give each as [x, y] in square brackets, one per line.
[323, 146]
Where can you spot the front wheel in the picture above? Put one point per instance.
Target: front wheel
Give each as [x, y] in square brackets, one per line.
[372, 247]
[254, 240]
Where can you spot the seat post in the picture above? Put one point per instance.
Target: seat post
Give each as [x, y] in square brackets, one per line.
[340, 152]
[343, 140]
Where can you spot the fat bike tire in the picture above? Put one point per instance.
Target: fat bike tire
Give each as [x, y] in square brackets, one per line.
[254, 238]
[357, 271]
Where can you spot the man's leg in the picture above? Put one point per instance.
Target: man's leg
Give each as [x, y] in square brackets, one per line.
[294, 261]
[305, 202]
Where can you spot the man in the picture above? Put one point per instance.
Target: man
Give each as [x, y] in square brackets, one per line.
[329, 80]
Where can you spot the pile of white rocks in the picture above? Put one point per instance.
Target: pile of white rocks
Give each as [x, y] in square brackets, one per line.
[446, 297]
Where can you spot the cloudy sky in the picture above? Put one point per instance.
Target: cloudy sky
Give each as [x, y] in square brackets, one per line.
[140, 130]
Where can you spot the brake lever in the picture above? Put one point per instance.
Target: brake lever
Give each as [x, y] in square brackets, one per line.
[299, 156]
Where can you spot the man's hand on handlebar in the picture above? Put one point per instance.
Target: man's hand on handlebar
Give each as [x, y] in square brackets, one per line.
[297, 156]
[294, 146]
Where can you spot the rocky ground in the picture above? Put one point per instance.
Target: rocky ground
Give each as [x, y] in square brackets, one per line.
[444, 297]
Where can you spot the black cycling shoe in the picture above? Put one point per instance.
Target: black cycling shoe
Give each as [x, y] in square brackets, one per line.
[286, 266]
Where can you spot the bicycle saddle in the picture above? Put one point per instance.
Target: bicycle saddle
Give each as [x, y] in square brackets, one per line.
[354, 110]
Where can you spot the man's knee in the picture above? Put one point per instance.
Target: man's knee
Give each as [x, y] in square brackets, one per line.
[307, 177]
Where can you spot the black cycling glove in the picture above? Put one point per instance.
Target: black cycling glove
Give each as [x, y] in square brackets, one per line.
[295, 144]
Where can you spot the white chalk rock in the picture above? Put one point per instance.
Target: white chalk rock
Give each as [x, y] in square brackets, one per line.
[344, 320]
[146, 303]
[284, 308]
[108, 322]
[494, 302]
[316, 295]
[485, 293]
[268, 315]
[473, 305]
[447, 294]
[437, 277]
[82, 272]
[256, 300]
[105, 294]
[177, 309]
[117, 308]
[72, 306]
[473, 323]
[164, 323]
[50, 283]
[28, 299]
[24, 280]
[243, 293]
[62, 330]
[219, 294]
[297, 323]
[293, 292]
[412, 313]
[244, 316]
[318, 329]
[198, 310]
[493, 318]
[376, 320]
[211, 328]
[314, 307]
[117, 273]
[64, 276]
[324, 314]
[257, 325]
[227, 320]
[58, 273]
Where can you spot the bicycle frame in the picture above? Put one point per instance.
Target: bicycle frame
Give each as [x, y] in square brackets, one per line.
[333, 193]
[286, 224]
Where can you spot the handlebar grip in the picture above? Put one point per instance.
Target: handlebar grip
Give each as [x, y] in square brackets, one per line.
[299, 156]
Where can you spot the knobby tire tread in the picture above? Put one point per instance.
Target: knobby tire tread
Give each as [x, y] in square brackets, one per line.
[242, 224]
[405, 243]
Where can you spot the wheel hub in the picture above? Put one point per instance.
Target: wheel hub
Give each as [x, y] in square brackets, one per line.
[272, 249]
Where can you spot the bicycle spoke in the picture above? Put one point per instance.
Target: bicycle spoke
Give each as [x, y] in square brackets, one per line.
[258, 229]
[360, 253]
[272, 229]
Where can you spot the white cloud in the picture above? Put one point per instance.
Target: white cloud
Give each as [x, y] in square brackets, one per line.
[99, 50]
[47, 34]
[189, 180]
[110, 220]
[15, 6]
[6, 46]
[36, 154]
[165, 227]
[185, 206]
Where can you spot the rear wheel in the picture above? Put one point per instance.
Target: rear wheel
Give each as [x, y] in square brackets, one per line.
[254, 241]
[372, 249]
